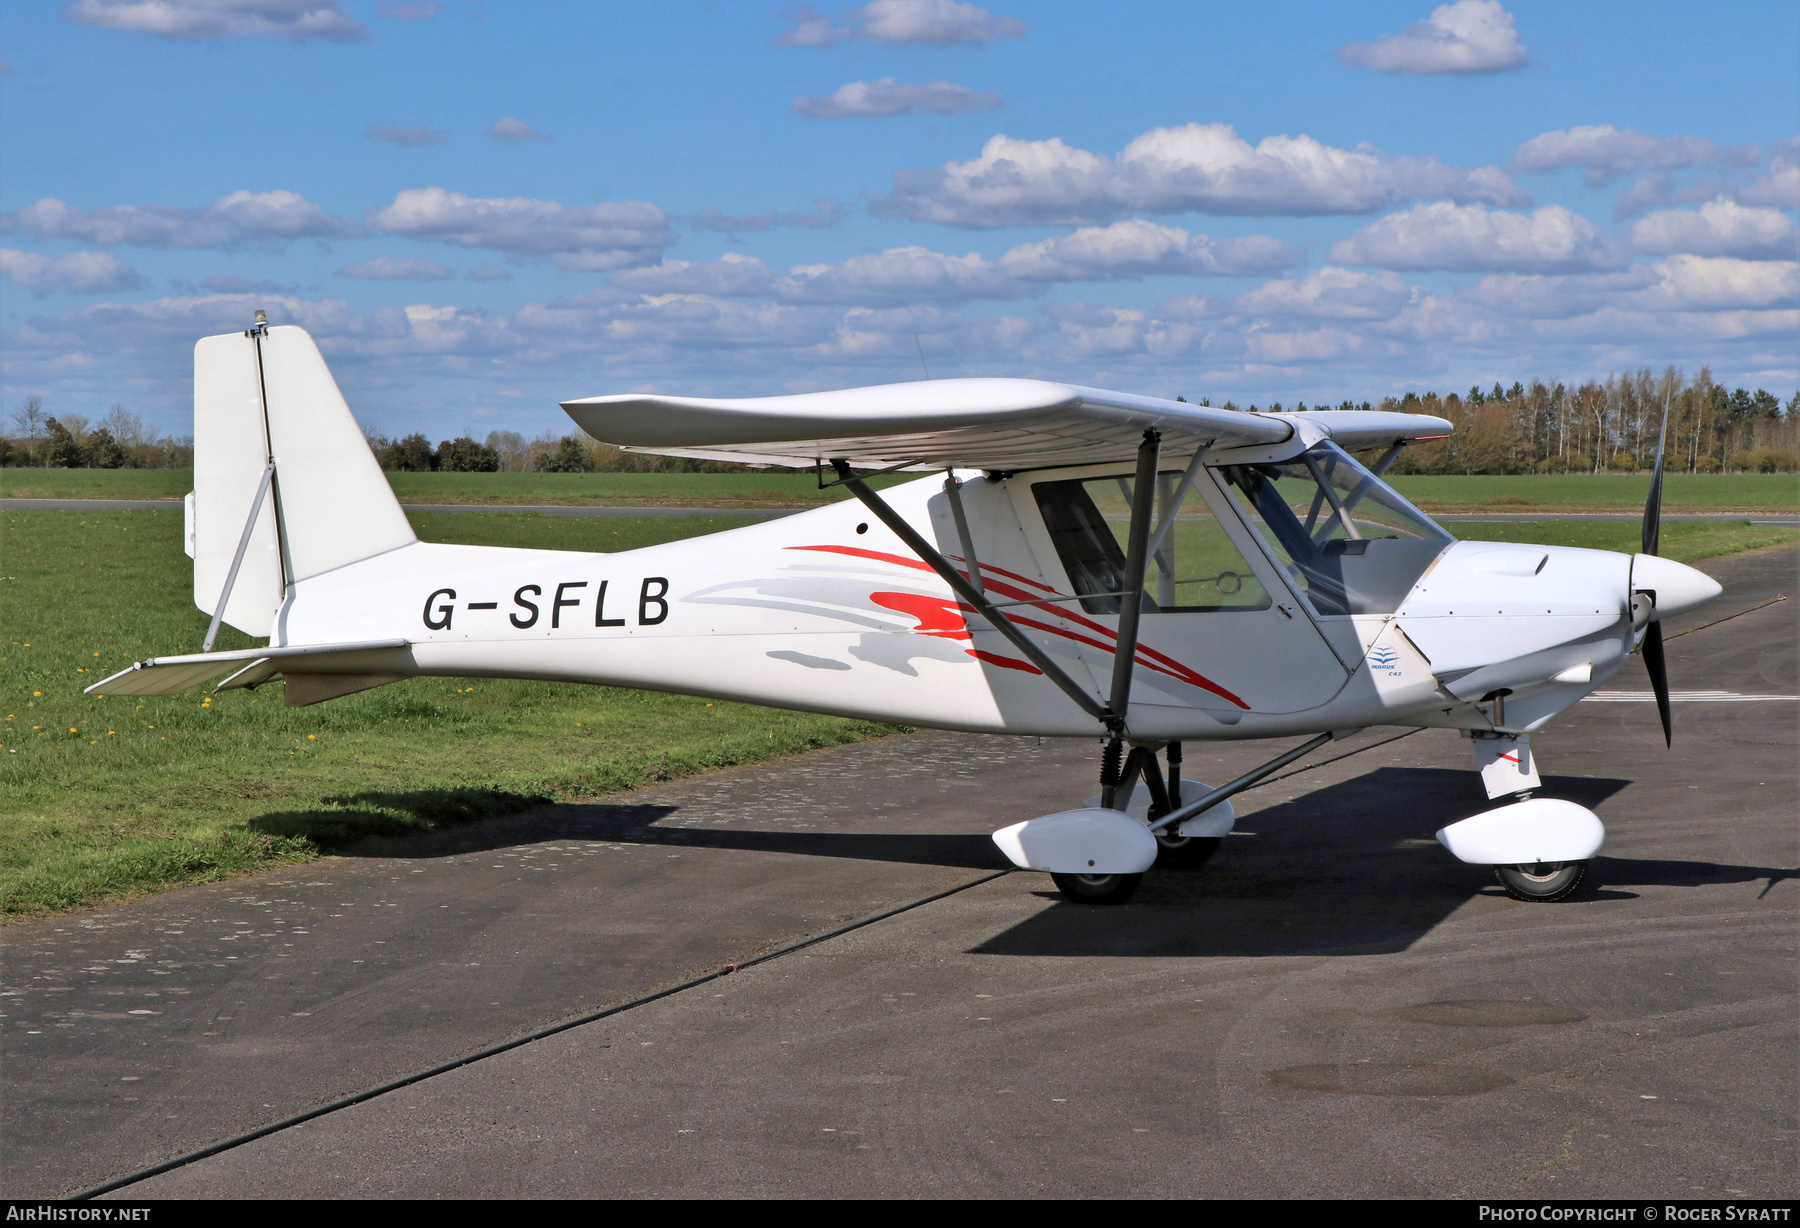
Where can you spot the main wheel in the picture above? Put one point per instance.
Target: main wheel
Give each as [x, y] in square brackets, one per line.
[1544, 883]
[1184, 852]
[1097, 888]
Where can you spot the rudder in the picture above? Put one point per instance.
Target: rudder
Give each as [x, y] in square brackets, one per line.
[266, 398]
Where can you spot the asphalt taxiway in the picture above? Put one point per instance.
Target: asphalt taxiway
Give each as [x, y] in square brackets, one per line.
[1332, 1007]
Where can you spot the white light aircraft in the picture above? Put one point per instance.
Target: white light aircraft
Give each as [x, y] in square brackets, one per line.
[1093, 563]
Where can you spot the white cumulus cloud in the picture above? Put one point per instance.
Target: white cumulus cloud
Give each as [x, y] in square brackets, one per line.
[1607, 153]
[1137, 248]
[888, 97]
[196, 20]
[937, 23]
[1720, 227]
[1204, 168]
[1681, 284]
[1469, 36]
[733, 275]
[396, 268]
[241, 217]
[1126, 250]
[606, 236]
[72, 273]
[1779, 188]
[1332, 293]
[1718, 283]
[1440, 235]
[512, 131]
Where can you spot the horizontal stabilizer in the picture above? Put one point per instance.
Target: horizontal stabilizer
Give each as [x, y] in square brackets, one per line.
[173, 675]
[1004, 424]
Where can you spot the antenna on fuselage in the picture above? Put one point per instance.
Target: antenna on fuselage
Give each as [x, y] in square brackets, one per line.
[921, 346]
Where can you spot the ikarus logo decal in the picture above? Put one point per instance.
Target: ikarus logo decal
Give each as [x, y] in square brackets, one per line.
[1385, 659]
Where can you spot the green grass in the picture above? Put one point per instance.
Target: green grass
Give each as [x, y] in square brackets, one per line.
[103, 799]
[1685, 541]
[1603, 492]
[95, 483]
[1682, 492]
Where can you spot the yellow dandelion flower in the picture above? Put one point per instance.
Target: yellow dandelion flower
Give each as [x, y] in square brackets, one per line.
[312, 737]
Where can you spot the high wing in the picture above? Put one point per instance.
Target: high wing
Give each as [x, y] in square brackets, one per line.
[995, 424]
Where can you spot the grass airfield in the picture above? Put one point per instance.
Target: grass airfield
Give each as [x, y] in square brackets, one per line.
[1551, 493]
[104, 800]
[807, 978]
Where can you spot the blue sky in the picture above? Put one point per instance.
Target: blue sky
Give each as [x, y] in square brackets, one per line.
[481, 209]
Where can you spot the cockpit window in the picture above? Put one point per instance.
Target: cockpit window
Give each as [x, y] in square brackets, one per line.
[1193, 567]
[1348, 539]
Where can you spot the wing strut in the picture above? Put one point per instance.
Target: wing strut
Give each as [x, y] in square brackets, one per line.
[1131, 605]
[960, 585]
[953, 492]
[1137, 560]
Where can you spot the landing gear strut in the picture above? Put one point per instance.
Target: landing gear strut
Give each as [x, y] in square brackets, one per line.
[1173, 851]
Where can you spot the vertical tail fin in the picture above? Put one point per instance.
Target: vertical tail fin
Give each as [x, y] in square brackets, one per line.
[266, 398]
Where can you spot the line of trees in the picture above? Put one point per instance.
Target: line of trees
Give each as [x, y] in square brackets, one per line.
[1598, 426]
[120, 440]
[511, 452]
[1602, 427]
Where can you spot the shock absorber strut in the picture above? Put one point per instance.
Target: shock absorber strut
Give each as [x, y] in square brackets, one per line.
[1109, 771]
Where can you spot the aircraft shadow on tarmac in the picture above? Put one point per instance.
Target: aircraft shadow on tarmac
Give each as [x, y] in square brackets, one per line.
[431, 824]
[1349, 870]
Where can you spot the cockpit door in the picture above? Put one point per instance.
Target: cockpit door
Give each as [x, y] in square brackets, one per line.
[1220, 630]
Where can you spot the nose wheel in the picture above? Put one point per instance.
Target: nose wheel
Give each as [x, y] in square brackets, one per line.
[1097, 888]
[1543, 883]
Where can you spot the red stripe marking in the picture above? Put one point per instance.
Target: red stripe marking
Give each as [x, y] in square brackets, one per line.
[936, 615]
[1008, 662]
[1147, 657]
[1011, 575]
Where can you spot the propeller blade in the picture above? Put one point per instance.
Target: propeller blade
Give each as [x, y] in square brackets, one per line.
[1653, 505]
[1654, 664]
[1659, 677]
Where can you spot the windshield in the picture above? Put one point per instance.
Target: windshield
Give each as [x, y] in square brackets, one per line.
[1348, 539]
